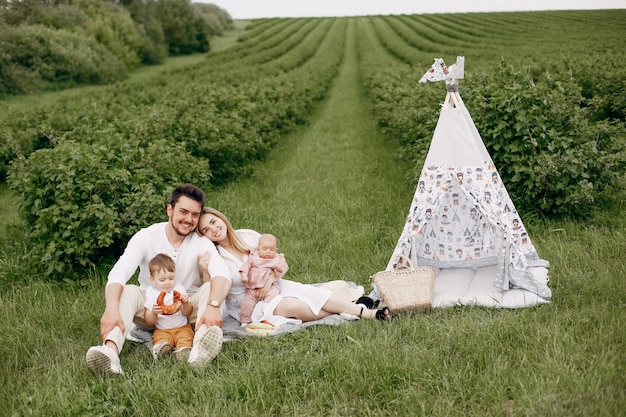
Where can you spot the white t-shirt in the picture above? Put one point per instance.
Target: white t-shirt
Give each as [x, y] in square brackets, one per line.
[166, 321]
[152, 240]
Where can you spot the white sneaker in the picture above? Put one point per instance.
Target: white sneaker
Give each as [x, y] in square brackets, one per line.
[161, 349]
[206, 345]
[103, 360]
[181, 354]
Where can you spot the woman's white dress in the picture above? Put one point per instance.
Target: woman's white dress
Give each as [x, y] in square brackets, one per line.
[313, 296]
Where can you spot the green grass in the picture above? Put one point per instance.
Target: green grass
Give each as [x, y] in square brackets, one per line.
[336, 197]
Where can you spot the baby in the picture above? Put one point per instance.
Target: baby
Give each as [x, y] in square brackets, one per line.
[255, 272]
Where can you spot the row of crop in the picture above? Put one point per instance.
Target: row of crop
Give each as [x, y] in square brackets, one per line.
[415, 36]
[456, 27]
[539, 129]
[267, 34]
[277, 52]
[256, 43]
[403, 111]
[257, 57]
[257, 28]
[393, 43]
[543, 42]
[25, 130]
[280, 43]
[293, 52]
[108, 169]
[424, 29]
[446, 37]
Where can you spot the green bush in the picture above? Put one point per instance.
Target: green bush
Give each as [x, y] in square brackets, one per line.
[217, 19]
[112, 26]
[96, 167]
[131, 31]
[154, 49]
[183, 26]
[82, 202]
[57, 16]
[540, 138]
[36, 55]
[606, 95]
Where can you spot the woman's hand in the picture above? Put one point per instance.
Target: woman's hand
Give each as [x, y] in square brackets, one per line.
[203, 264]
[261, 293]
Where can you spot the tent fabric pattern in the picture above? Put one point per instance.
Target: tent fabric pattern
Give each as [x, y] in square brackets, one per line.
[462, 216]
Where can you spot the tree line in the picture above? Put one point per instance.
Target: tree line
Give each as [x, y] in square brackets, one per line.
[47, 44]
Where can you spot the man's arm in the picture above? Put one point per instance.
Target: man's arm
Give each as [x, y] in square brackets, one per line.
[212, 316]
[119, 275]
[111, 317]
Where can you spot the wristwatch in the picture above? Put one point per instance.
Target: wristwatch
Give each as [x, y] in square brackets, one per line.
[214, 303]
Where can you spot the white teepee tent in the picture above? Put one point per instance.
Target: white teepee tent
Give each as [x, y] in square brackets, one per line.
[462, 220]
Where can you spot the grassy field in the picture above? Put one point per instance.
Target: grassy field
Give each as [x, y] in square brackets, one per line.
[337, 199]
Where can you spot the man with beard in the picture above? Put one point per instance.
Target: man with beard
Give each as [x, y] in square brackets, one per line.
[207, 288]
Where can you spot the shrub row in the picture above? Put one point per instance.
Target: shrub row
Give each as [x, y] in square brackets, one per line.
[553, 159]
[224, 99]
[538, 127]
[230, 110]
[112, 155]
[81, 200]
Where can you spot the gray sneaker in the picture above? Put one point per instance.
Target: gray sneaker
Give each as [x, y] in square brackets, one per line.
[161, 349]
[103, 360]
[207, 343]
[181, 354]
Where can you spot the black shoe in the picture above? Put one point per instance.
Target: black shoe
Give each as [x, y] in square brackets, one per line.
[384, 314]
[366, 301]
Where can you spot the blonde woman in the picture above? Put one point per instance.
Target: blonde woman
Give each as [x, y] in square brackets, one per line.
[296, 300]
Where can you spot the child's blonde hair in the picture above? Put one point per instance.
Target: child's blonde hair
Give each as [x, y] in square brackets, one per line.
[161, 262]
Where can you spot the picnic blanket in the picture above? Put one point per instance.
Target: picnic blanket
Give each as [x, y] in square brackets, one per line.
[232, 327]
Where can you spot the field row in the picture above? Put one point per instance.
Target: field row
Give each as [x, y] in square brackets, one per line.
[105, 154]
[556, 131]
[560, 152]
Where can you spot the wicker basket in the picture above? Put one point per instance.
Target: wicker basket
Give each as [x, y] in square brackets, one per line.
[406, 288]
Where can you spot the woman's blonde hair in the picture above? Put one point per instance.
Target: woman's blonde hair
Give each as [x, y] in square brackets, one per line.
[231, 234]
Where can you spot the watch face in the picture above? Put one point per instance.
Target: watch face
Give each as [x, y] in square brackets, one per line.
[214, 303]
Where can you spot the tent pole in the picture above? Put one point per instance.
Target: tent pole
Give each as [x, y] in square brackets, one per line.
[448, 101]
[452, 95]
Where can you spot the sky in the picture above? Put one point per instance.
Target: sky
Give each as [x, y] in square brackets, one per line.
[255, 9]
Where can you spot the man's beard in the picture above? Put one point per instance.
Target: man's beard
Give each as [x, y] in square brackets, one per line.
[180, 232]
